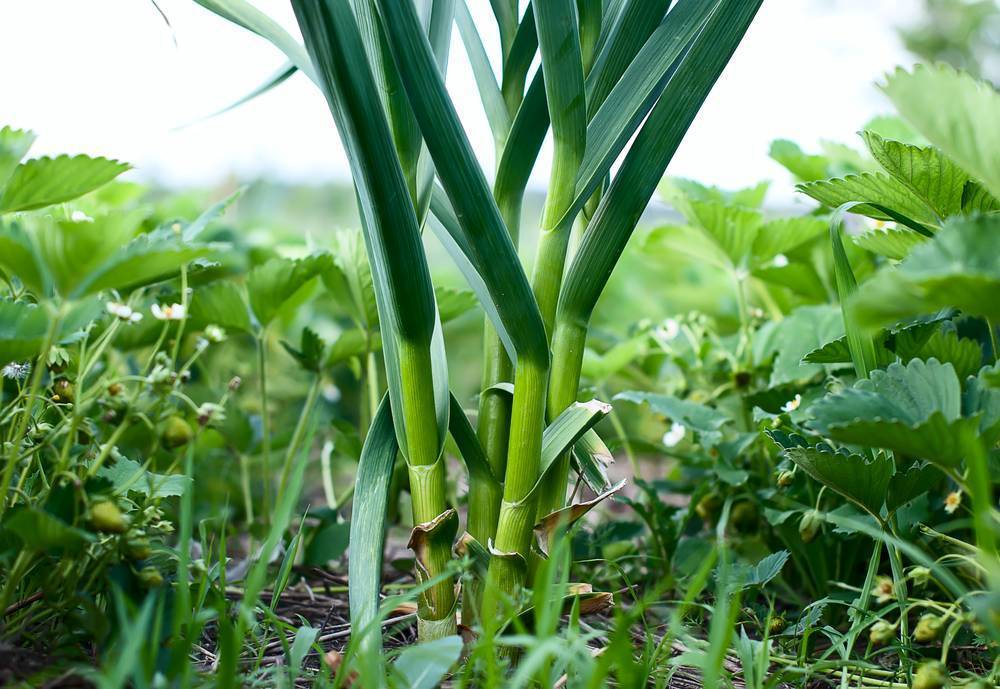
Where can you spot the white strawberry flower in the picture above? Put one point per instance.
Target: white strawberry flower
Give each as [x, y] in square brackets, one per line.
[792, 404]
[123, 312]
[172, 312]
[675, 435]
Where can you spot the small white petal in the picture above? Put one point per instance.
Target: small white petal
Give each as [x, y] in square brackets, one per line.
[675, 435]
[780, 261]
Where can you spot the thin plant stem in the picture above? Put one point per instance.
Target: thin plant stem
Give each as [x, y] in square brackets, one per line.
[37, 373]
[265, 421]
[300, 426]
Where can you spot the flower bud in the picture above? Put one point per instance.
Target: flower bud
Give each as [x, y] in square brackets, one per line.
[106, 517]
[809, 525]
[928, 628]
[176, 433]
[777, 624]
[150, 577]
[920, 576]
[785, 479]
[882, 633]
[930, 675]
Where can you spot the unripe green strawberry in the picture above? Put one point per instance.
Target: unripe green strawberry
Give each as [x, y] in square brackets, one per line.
[62, 391]
[744, 516]
[777, 624]
[882, 633]
[928, 628]
[809, 525]
[106, 517]
[138, 549]
[930, 675]
[708, 507]
[176, 433]
[150, 577]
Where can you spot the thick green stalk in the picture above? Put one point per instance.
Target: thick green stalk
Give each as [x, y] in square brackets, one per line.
[567, 363]
[550, 261]
[517, 511]
[493, 429]
[493, 423]
[562, 65]
[427, 480]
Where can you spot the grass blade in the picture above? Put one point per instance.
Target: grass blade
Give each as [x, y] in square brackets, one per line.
[368, 516]
[860, 342]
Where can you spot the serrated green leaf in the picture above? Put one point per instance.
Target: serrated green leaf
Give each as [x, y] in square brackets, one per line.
[22, 331]
[128, 476]
[19, 257]
[310, 352]
[697, 417]
[870, 189]
[147, 259]
[959, 267]
[913, 409]
[859, 479]
[72, 252]
[45, 181]
[14, 145]
[934, 179]
[975, 199]
[221, 303]
[965, 355]
[743, 576]
[891, 241]
[803, 166]
[956, 113]
[273, 283]
[779, 236]
[804, 330]
[453, 302]
[734, 228]
[39, 531]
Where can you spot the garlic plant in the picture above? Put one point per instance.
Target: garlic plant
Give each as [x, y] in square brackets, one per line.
[619, 80]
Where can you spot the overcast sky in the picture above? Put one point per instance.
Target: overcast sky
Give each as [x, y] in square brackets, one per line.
[109, 77]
